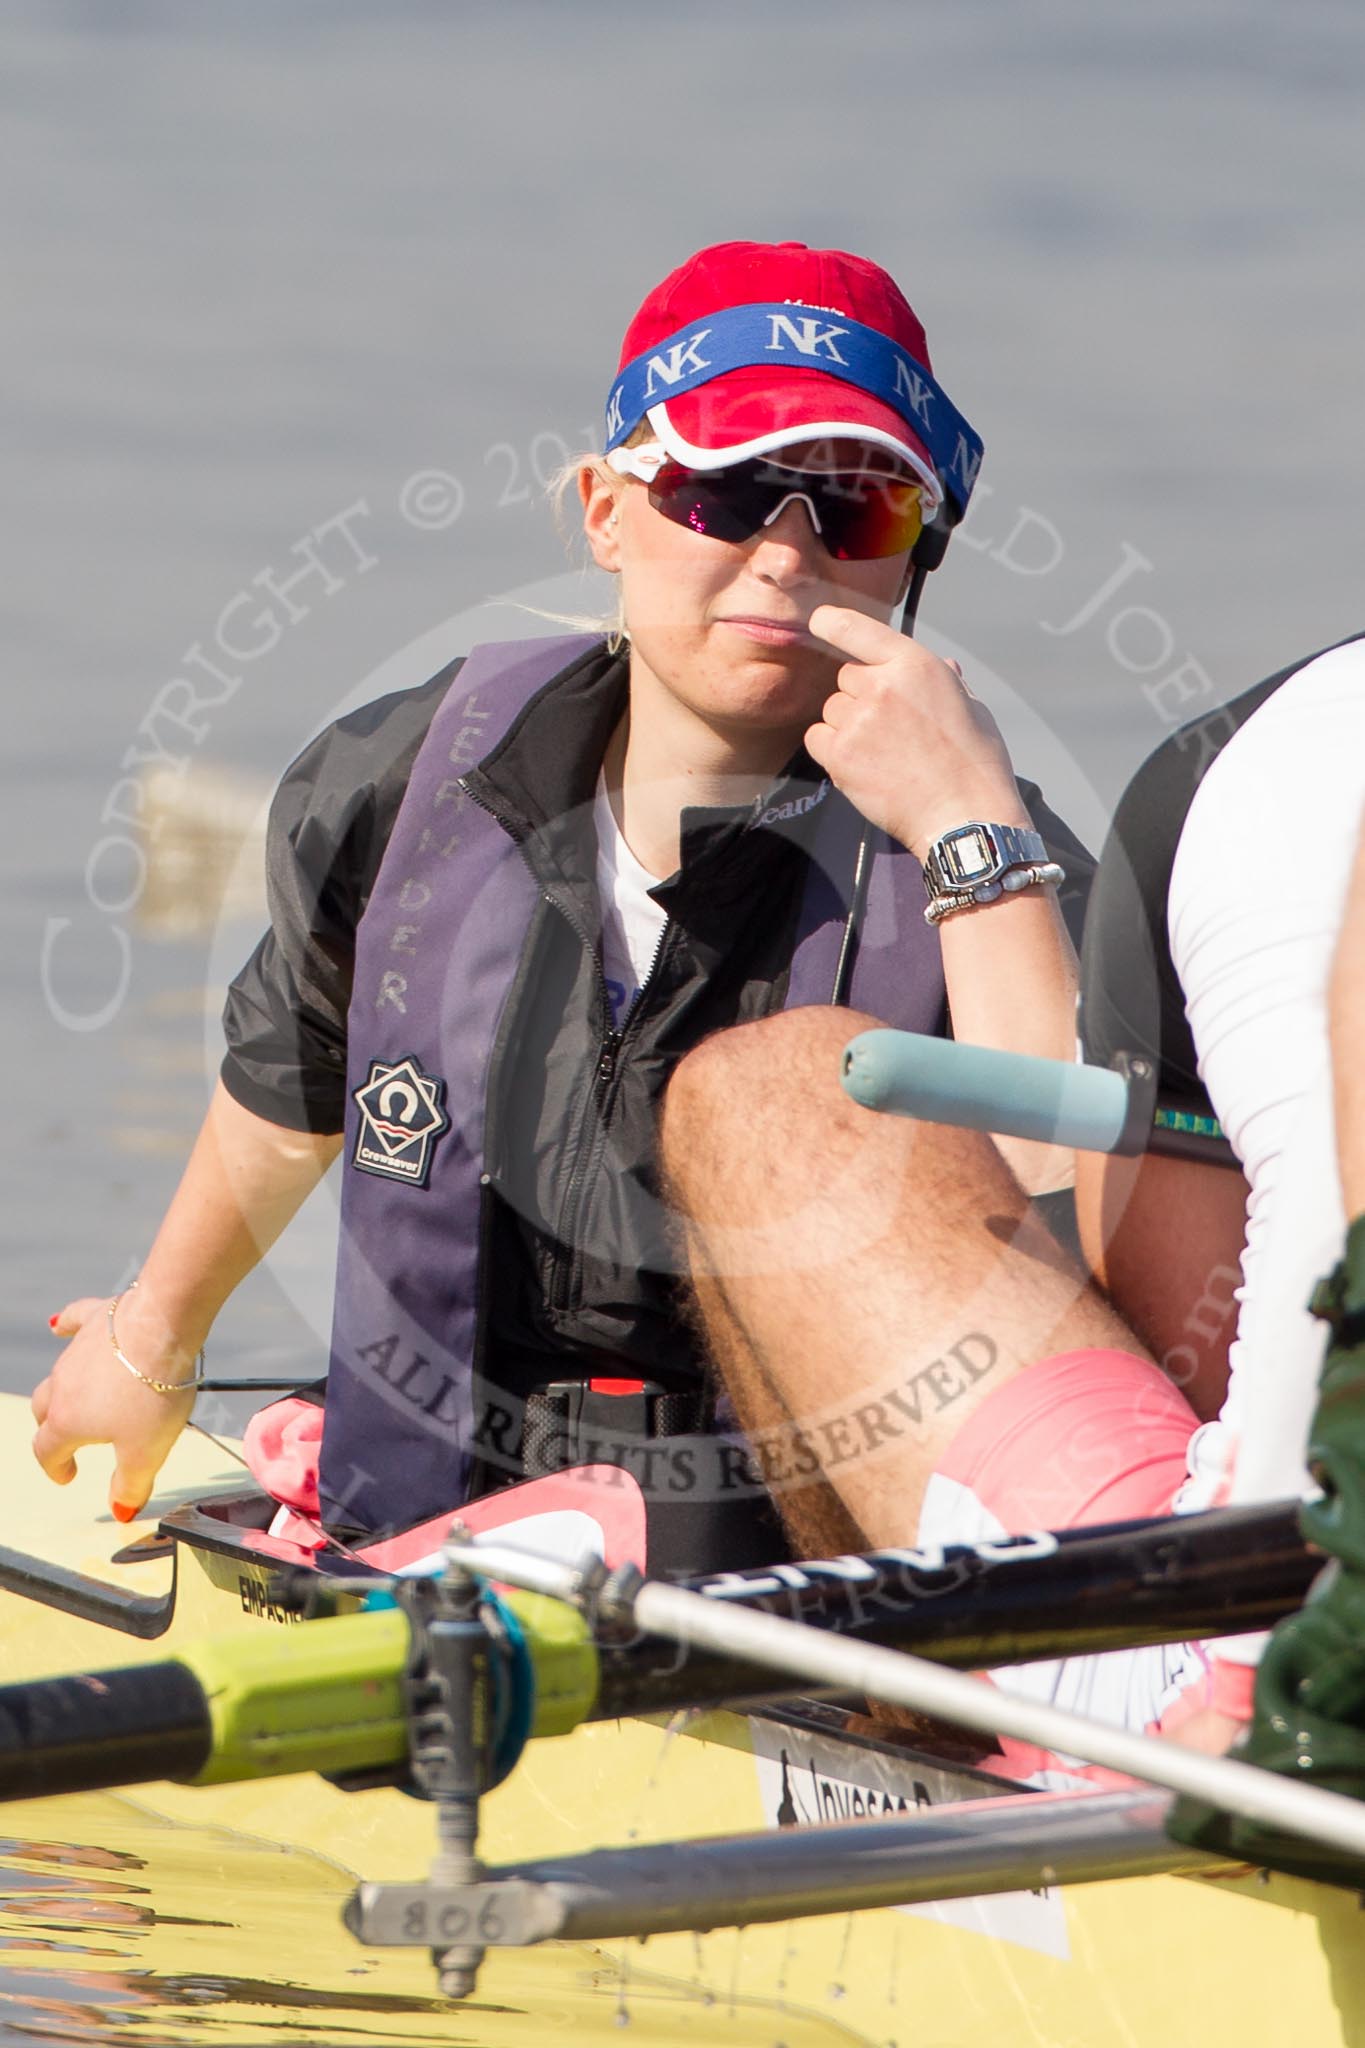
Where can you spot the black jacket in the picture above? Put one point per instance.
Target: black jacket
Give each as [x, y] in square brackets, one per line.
[584, 1272]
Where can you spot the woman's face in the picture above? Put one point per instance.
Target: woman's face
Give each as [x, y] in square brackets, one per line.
[720, 626]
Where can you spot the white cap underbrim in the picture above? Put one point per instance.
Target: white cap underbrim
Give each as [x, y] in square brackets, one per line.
[785, 437]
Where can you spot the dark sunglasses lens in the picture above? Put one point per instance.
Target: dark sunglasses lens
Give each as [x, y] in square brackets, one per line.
[721, 503]
[861, 516]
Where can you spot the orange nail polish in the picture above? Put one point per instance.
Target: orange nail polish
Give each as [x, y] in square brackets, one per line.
[122, 1513]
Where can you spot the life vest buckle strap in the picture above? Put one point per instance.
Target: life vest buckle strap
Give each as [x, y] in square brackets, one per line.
[593, 1421]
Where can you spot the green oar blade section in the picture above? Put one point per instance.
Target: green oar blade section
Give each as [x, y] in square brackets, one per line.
[564, 1658]
[324, 1696]
[327, 1696]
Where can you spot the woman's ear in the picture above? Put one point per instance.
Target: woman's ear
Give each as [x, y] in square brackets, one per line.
[599, 492]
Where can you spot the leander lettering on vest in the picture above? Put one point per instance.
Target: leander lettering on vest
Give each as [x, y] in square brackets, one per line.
[795, 807]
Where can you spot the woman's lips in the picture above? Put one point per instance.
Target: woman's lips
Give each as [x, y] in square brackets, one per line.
[772, 632]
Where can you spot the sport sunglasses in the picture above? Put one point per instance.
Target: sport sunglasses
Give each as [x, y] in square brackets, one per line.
[860, 515]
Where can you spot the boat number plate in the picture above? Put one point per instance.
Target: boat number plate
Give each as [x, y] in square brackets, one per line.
[505, 1914]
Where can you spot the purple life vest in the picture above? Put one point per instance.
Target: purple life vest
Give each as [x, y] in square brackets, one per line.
[437, 953]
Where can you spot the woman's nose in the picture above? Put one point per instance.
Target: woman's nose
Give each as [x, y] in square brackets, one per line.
[789, 543]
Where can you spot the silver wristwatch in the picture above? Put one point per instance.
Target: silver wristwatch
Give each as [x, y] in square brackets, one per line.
[968, 864]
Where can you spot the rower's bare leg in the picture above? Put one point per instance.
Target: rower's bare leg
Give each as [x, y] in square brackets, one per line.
[866, 1278]
[816, 1519]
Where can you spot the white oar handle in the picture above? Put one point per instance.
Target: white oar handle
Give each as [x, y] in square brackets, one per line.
[1091, 1109]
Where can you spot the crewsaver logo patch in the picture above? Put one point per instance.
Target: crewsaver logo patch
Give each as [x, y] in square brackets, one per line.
[402, 1114]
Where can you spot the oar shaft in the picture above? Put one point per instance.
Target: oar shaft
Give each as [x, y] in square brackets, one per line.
[256, 1386]
[926, 1688]
[329, 1696]
[1074, 1594]
[953, 1851]
[83, 1733]
[326, 1697]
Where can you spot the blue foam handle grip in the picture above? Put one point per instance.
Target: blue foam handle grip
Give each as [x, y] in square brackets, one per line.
[1008, 1093]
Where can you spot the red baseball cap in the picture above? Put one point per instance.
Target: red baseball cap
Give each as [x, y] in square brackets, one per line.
[749, 410]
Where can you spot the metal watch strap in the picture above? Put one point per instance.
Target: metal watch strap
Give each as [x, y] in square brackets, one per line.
[1013, 846]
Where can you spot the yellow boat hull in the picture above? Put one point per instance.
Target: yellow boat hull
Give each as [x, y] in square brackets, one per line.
[214, 1914]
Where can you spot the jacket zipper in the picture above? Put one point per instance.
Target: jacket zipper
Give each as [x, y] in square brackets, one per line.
[566, 1275]
[566, 1280]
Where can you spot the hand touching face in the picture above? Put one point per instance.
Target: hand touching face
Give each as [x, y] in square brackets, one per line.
[904, 738]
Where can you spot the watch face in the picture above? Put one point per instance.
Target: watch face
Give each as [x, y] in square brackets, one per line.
[971, 852]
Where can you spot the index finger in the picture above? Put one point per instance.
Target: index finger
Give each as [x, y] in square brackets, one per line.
[854, 633]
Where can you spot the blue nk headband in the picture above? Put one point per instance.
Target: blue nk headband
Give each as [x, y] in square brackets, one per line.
[804, 338]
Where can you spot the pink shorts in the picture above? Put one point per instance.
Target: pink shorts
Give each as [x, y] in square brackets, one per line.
[1086, 1437]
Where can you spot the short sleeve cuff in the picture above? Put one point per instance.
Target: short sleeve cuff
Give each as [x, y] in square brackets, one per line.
[304, 1106]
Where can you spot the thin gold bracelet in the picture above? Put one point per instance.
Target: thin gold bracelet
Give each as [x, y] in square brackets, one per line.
[161, 1386]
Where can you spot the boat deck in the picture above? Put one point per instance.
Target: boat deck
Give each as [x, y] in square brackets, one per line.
[1161, 1962]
